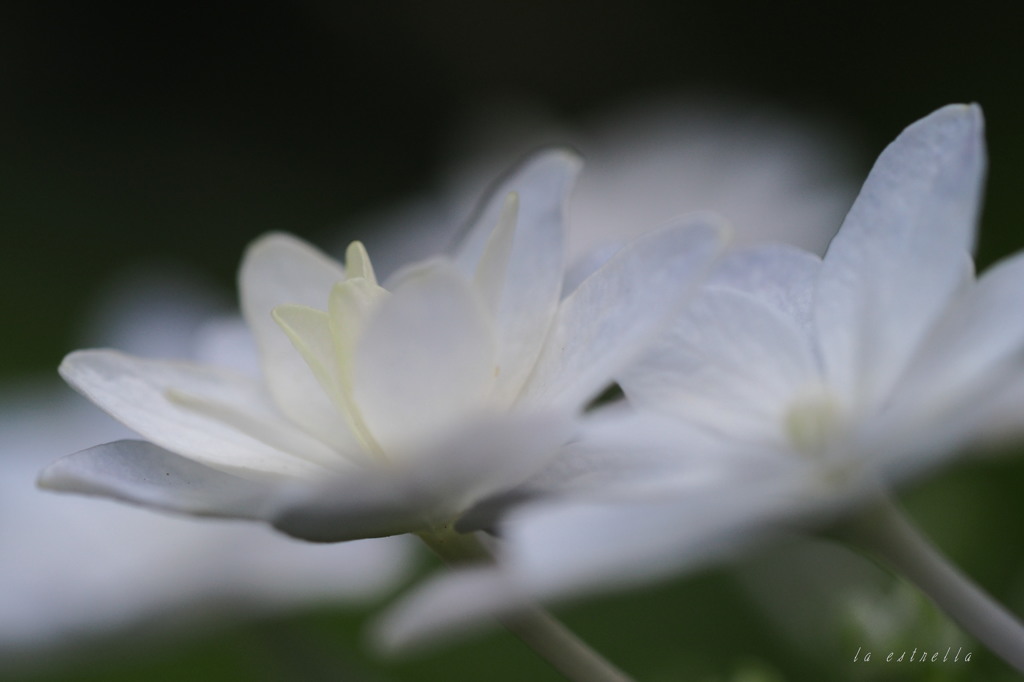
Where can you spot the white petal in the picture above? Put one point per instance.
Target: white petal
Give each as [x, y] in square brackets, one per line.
[357, 263]
[533, 276]
[572, 548]
[980, 333]
[898, 256]
[963, 389]
[279, 269]
[311, 333]
[163, 401]
[617, 453]
[552, 552]
[1004, 413]
[728, 362]
[143, 473]
[780, 276]
[482, 458]
[616, 312]
[492, 269]
[445, 606]
[425, 359]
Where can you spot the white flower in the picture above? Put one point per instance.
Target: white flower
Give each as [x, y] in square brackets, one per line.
[791, 388]
[388, 410]
[75, 570]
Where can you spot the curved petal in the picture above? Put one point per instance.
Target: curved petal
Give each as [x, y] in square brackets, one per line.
[981, 332]
[963, 388]
[426, 358]
[615, 314]
[780, 276]
[486, 457]
[279, 269]
[898, 256]
[532, 282]
[145, 474]
[729, 362]
[556, 551]
[216, 417]
[618, 453]
[446, 606]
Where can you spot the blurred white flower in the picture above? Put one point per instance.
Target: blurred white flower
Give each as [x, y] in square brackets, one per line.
[393, 410]
[75, 571]
[791, 388]
[771, 175]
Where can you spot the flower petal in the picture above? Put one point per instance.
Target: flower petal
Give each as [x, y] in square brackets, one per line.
[532, 284]
[485, 457]
[216, 417]
[962, 389]
[729, 362]
[279, 269]
[898, 257]
[782, 277]
[311, 332]
[619, 453]
[980, 333]
[145, 474]
[614, 315]
[446, 606]
[559, 550]
[426, 358]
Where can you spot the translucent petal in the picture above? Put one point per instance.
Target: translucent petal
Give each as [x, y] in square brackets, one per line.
[898, 256]
[729, 362]
[615, 314]
[780, 276]
[480, 458]
[532, 283]
[135, 391]
[143, 473]
[980, 333]
[311, 333]
[357, 263]
[493, 266]
[425, 360]
[561, 550]
[277, 270]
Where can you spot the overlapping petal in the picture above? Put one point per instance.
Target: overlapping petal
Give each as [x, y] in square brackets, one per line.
[898, 257]
[142, 473]
[222, 419]
[729, 362]
[484, 456]
[279, 269]
[426, 359]
[535, 260]
[612, 316]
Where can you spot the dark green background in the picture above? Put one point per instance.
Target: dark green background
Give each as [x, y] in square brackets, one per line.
[185, 130]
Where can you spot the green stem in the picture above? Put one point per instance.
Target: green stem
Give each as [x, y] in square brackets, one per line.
[536, 628]
[885, 532]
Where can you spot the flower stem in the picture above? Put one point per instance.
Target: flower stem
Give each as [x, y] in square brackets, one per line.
[885, 532]
[535, 627]
[560, 647]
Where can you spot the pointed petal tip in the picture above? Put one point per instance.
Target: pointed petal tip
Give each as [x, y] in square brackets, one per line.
[50, 478]
[966, 121]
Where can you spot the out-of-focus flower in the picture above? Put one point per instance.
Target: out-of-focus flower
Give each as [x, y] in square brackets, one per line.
[791, 388]
[75, 571]
[397, 408]
[771, 175]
